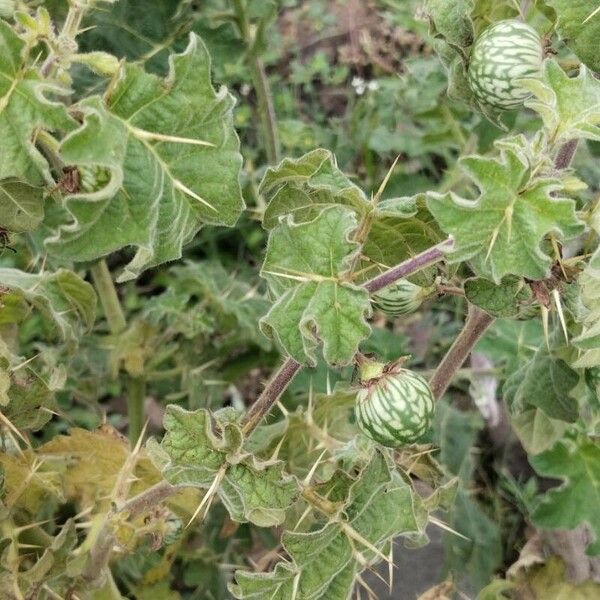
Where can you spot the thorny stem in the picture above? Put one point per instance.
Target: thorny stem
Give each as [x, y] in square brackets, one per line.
[272, 392]
[408, 267]
[280, 381]
[476, 325]
[477, 320]
[264, 97]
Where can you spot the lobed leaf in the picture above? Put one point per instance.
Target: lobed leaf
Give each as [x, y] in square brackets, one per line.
[24, 108]
[569, 106]
[576, 501]
[502, 232]
[307, 266]
[378, 505]
[174, 160]
[191, 453]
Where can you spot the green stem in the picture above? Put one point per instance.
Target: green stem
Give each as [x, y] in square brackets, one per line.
[136, 394]
[264, 96]
[109, 299]
[113, 312]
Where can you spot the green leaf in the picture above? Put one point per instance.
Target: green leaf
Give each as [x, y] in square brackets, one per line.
[480, 555]
[588, 341]
[400, 229]
[536, 430]
[21, 206]
[307, 267]
[576, 501]
[501, 301]
[456, 432]
[24, 108]
[191, 453]
[166, 182]
[502, 231]
[378, 506]
[569, 106]
[63, 298]
[451, 20]
[305, 186]
[546, 383]
[578, 30]
[511, 343]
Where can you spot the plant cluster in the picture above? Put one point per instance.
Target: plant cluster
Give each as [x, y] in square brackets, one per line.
[234, 363]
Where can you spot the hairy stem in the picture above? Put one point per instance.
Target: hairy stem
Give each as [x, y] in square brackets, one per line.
[408, 267]
[136, 386]
[565, 154]
[109, 299]
[136, 395]
[149, 498]
[476, 325]
[272, 392]
[264, 96]
[280, 381]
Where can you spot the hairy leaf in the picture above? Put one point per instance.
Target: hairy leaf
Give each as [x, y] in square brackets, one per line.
[307, 265]
[502, 231]
[579, 28]
[21, 206]
[173, 156]
[302, 188]
[377, 506]
[588, 341]
[191, 453]
[569, 106]
[505, 300]
[23, 109]
[63, 297]
[576, 501]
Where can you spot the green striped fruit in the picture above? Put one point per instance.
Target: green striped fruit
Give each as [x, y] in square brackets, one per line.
[504, 53]
[401, 298]
[395, 407]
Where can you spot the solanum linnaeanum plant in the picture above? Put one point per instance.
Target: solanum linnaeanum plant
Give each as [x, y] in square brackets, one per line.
[178, 423]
